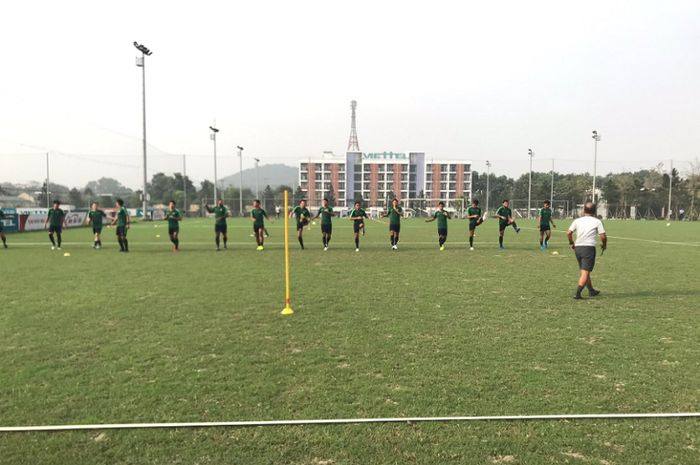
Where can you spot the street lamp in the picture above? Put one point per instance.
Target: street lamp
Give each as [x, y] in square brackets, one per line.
[488, 178]
[529, 188]
[240, 173]
[141, 62]
[257, 192]
[596, 138]
[212, 136]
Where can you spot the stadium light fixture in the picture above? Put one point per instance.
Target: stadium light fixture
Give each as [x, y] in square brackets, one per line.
[212, 136]
[240, 182]
[488, 178]
[141, 62]
[596, 139]
[257, 186]
[529, 186]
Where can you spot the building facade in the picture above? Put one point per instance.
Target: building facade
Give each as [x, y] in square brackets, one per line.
[377, 177]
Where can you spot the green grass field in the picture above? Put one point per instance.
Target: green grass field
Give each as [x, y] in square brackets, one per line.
[153, 336]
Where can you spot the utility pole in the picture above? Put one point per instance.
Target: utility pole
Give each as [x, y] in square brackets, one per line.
[141, 61]
[184, 180]
[48, 196]
[551, 189]
[488, 178]
[596, 138]
[240, 183]
[670, 190]
[212, 136]
[529, 185]
[257, 187]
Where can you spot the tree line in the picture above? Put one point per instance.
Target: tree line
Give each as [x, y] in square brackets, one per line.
[645, 190]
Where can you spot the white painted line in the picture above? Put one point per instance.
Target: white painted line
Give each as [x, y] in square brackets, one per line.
[349, 421]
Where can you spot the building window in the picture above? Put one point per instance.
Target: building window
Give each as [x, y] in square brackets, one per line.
[358, 177]
[358, 186]
[303, 176]
[303, 167]
[317, 166]
[443, 167]
[453, 167]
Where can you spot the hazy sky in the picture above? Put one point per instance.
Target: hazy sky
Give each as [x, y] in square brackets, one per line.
[472, 80]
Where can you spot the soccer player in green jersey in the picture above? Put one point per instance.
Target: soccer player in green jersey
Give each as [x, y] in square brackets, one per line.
[173, 216]
[441, 216]
[55, 220]
[505, 217]
[475, 219]
[2, 229]
[95, 217]
[544, 219]
[220, 228]
[357, 216]
[326, 213]
[394, 214]
[257, 216]
[123, 222]
[302, 215]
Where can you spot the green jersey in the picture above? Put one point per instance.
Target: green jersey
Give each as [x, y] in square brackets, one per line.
[301, 213]
[441, 216]
[545, 216]
[326, 213]
[96, 217]
[259, 215]
[220, 214]
[359, 213]
[122, 215]
[55, 216]
[173, 217]
[505, 212]
[395, 215]
[471, 211]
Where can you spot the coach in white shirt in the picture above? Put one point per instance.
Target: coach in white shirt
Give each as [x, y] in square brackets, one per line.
[586, 228]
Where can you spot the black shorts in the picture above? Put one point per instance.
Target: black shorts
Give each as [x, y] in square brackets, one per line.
[395, 227]
[502, 226]
[327, 228]
[172, 231]
[55, 229]
[357, 226]
[442, 232]
[258, 227]
[585, 255]
[545, 228]
[97, 230]
[473, 224]
[121, 231]
[220, 228]
[300, 225]
[2, 227]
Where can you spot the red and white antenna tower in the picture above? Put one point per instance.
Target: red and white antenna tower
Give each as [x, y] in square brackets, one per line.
[353, 144]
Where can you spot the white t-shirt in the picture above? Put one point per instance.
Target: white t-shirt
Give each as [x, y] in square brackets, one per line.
[586, 229]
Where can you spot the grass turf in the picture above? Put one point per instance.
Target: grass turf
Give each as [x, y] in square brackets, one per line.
[152, 336]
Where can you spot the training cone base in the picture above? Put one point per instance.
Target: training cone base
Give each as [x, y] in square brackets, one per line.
[287, 311]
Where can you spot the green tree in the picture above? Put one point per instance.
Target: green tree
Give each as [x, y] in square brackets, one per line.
[75, 197]
[298, 195]
[205, 194]
[268, 200]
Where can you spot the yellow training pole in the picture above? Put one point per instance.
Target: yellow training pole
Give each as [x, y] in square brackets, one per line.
[287, 301]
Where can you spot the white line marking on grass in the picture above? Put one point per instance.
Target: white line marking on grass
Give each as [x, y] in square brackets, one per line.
[653, 241]
[348, 421]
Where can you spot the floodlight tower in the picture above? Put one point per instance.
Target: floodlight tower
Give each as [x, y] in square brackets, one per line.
[353, 144]
[212, 136]
[257, 188]
[240, 173]
[488, 178]
[529, 185]
[596, 139]
[141, 62]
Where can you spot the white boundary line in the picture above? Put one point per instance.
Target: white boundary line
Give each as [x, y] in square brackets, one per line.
[348, 421]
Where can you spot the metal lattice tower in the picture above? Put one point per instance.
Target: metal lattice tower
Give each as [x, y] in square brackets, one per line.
[353, 144]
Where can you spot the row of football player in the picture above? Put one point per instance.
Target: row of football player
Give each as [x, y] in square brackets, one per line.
[357, 215]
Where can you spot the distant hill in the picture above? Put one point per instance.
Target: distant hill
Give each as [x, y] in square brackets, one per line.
[274, 175]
